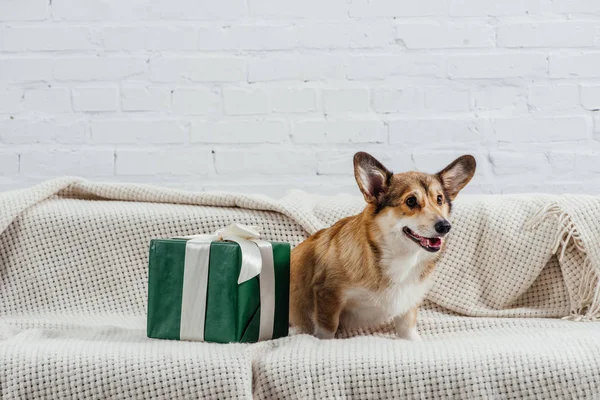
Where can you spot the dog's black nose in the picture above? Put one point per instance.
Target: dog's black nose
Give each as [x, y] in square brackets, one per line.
[442, 227]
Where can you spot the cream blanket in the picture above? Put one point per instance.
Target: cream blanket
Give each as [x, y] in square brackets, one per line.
[73, 287]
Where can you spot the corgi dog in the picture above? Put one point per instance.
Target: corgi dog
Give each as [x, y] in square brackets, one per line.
[369, 268]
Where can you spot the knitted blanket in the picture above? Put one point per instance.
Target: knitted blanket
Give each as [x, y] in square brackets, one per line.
[73, 276]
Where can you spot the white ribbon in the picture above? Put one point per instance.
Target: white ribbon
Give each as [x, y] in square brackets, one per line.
[257, 260]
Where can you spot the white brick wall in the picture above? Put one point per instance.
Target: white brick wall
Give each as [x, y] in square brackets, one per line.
[266, 95]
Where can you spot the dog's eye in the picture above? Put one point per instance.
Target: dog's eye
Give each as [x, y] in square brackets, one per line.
[440, 199]
[411, 201]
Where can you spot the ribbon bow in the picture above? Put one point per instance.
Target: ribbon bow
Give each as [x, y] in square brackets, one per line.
[257, 260]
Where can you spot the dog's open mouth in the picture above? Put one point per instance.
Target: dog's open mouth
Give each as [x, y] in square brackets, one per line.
[430, 244]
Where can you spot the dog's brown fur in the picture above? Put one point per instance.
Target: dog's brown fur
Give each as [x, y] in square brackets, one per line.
[356, 253]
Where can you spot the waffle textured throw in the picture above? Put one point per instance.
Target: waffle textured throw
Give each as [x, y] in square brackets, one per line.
[73, 281]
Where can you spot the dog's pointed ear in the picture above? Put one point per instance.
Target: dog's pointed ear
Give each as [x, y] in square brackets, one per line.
[372, 177]
[456, 175]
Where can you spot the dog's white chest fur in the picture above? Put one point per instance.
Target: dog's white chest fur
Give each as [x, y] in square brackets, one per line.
[407, 290]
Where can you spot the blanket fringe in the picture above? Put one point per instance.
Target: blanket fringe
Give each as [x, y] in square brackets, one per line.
[587, 307]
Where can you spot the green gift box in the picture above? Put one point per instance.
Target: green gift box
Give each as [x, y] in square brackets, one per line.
[220, 288]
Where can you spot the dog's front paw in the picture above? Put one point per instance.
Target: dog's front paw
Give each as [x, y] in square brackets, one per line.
[323, 333]
[411, 334]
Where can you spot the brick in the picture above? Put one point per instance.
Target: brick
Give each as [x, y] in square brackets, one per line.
[498, 98]
[95, 99]
[99, 10]
[163, 162]
[584, 65]
[590, 97]
[341, 162]
[246, 101]
[433, 35]
[561, 162]
[239, 131]
[548, 34]
[346, 100]
[293, 100]
[50, 162]
[18, 131]
[290, 9]
[9, 163]
[272, 163]
[397, 8]
[446, 99]
[198, 10]
[499, 66]
[335, 35]
[25, 69]
[339, 131]
[514, 163]
[368, 67]
[532, 130]
[89, 68]
[197, 69]
[248, 37]
[139, 131]
[45, 39]
[397, 100]
[436, 131]
[145, 98]
[287, 67]
[554, 99]
[477, 8]
[435, 161]
[134, 38]
[10, 100]
[197, 101]
[23, 10]
[48, 100]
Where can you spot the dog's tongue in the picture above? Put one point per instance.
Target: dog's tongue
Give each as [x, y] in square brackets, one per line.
[431, 242]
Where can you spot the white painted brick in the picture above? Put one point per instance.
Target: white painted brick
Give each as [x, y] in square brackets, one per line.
[497, 98]
[332, 35]
[139, 131]
[23, 10]
[198, 10]
[99, 10]
[246, 101]
[45, 39]
[239, 131]
[573, 6]
[548, 129]
[197, 69]
[132, 38]
[9, 163]
[549, 34]
[341, 162]
[339, 131]
[369, 67]
[289, 67]
[587, 162]
[582, 65]
[54, 163]
[266, 162]
[163, 162]
[248, 37]
[446, 99]
[554, 99]
[432, 35]
[435, 161]
[196, 101]
[590, 97]
[346, 100]
[284, 9]
[10, 100]
[487, 66]
[95, 99]
[397, 100]
[145, 98]
[21, 131]
[478, 8]
[518, 164]
[89, 68]
[561, 162]
[293, 100]
[48, 100]
[25, 69]
[433, 132]
[397, 8]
